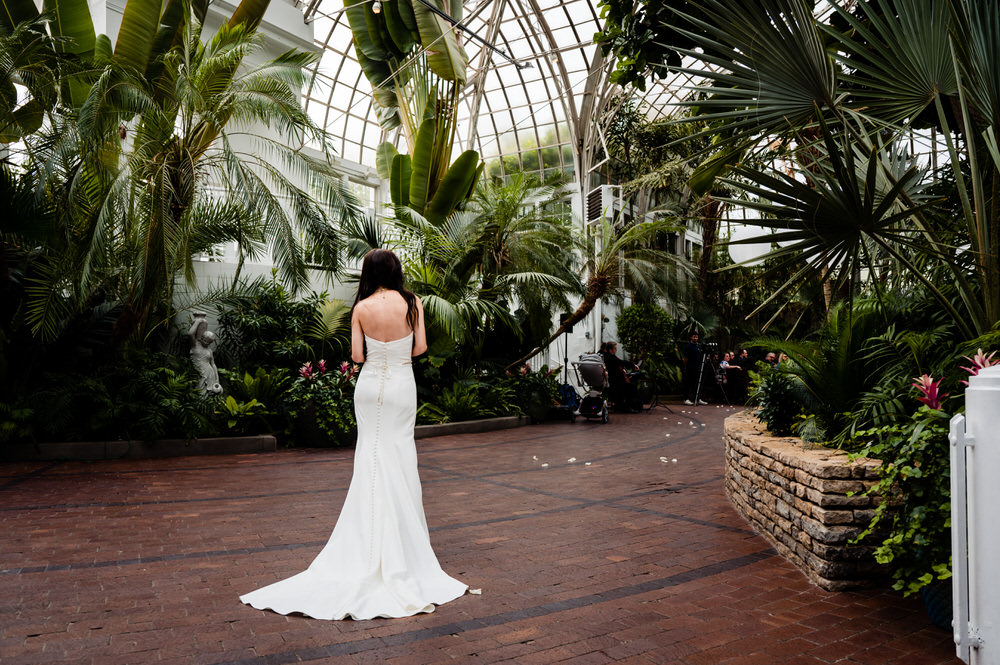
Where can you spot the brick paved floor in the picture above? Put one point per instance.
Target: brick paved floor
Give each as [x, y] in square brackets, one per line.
[621, 556]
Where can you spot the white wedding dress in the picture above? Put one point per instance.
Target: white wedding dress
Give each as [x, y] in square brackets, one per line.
[378, 561]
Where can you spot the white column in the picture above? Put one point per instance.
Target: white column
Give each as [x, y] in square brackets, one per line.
[982, 404]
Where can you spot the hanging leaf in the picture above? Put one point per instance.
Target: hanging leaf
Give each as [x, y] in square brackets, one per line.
[423, 157]
[454, 187]
[445, 55]
[405, 10]
[402, 36]
[384, 155]
[399, 180]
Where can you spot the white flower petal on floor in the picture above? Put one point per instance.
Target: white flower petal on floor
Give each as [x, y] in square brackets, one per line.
[571, 460]
[545, 466]
[476, 592]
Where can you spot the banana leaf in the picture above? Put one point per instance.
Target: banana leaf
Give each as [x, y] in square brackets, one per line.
[402, 36]
[378, 72]
[384, 155]
[17, 11]
[71, 20]
[250, 12]
[170, 31]
[399, 180]
[405, 10]
[423, 159]
[445, 55]
[103, 51]
[24, 121]
[134, 44]
[454, 187]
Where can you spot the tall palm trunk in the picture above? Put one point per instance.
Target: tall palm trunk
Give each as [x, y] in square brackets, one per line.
[710, 210]
[597, 288]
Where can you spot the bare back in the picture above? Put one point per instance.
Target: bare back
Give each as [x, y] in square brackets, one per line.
[382, 316]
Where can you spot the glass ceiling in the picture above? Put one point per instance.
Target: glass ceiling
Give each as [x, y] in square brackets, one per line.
[539, 111]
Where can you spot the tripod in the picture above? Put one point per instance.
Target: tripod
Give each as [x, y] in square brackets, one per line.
[654, 395]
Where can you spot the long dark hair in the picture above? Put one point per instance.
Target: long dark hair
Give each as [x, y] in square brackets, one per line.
[382, 268]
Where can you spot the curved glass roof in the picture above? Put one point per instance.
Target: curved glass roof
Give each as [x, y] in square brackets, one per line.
[537, 110]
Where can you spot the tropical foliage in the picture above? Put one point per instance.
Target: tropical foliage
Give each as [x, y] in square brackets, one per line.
[857, 206]
[826, 151]
[647, 332]
[158, 149]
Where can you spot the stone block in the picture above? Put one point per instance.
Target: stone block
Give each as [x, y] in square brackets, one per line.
[828, 516]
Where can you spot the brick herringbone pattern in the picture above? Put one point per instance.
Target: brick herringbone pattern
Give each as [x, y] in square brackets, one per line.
[621, 555]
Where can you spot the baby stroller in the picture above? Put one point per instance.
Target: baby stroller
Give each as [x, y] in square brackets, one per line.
[591, 375]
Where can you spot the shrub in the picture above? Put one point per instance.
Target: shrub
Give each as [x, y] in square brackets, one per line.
[534, 392]
[775, 394]
[457, 402]
[320, 405]
[916, 496]
[141, 395]
[647, 333]
[267, 329]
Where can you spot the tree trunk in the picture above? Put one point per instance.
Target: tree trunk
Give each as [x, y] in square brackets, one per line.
[709, 231]
[596, 289]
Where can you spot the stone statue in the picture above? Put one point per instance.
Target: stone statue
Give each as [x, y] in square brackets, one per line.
[201, 355]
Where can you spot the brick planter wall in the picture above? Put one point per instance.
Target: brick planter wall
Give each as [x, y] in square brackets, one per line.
[797, 498]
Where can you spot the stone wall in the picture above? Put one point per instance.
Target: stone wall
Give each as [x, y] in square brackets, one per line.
[809, 502]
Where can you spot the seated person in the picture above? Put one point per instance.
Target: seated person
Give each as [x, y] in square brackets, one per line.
[622, 392]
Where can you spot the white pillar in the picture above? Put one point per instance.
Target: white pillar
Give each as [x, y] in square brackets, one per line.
[982, 440]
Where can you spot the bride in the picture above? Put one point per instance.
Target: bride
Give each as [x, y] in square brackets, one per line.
[378, 561]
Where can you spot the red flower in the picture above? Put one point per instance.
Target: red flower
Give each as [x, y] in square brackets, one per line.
[930, 388]
[979, 361]
[306, 371]
[322, 366]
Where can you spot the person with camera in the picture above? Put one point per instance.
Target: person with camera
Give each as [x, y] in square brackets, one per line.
[693, 357]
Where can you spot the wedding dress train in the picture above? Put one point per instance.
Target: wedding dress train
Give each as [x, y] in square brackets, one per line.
[378, 561]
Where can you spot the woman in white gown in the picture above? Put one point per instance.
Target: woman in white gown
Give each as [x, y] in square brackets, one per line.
[378, 561]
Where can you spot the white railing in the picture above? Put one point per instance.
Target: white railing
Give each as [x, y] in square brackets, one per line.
[975, 540]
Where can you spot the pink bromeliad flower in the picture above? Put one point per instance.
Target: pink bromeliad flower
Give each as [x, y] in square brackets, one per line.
[321, 365]
[345, 367]
[930, 389]
[979, 361]
[306, 371]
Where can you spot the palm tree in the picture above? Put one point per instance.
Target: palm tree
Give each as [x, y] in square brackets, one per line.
[522, 249]
[511, 247]
[154, 170]
[841, 97]
[617, 257]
